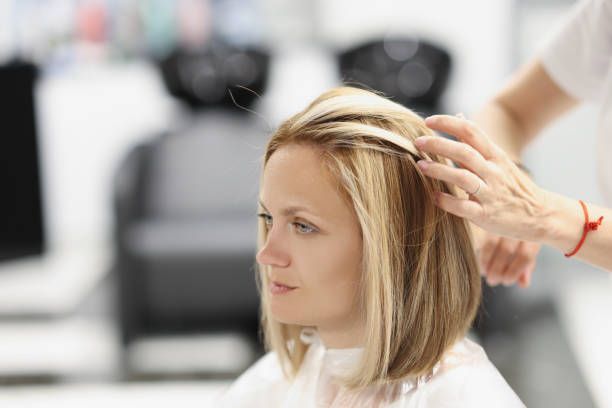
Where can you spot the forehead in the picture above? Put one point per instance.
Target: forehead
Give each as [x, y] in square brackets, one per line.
[296, 175]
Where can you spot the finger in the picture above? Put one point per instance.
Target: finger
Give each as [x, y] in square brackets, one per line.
[501, 260]
[462, 178]
[487, 251]
[525, 279]
[525, 261]
[522, 259]
[466, 131]
[458, 206]
[459, 152]
[517, 266]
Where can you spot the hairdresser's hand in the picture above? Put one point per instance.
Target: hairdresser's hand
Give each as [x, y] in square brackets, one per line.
[504, 260]
[501, 198]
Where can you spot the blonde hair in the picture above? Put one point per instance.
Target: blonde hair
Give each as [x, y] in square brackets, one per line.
[420, 286]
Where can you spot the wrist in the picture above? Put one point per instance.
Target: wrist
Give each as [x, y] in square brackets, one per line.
[564, 222]
[523, 168]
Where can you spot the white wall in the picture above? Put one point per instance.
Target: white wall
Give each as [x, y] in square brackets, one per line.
[88, 117]
[476, 32]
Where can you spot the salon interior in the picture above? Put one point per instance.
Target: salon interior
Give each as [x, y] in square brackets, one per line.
[130, 157]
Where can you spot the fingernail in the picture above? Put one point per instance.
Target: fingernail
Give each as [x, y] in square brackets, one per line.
[460, 115]
[430, 120]
[420, 141]
[423, 164]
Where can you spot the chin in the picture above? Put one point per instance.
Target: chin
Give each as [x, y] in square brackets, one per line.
[286, 317]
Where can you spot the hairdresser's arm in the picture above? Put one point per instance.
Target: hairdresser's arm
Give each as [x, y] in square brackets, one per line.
[512, 118]
[508, 202]
[527, 103]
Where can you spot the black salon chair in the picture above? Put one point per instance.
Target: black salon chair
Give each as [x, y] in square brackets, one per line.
[185, 206]
[412, 71]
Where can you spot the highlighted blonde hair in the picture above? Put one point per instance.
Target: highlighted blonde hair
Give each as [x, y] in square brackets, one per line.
[420, 287]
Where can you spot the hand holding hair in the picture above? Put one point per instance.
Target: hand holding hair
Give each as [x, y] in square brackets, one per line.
[503, 260]
[502, 199]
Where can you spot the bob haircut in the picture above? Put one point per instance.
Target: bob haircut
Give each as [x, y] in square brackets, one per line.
[420, 286]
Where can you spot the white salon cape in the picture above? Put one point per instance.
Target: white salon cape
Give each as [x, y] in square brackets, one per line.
[577, 55]
[464, 377]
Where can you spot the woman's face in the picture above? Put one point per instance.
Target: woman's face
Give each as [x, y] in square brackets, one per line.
[313, 243]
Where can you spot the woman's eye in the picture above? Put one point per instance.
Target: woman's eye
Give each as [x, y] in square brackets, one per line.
[267, 219]
[303, 228]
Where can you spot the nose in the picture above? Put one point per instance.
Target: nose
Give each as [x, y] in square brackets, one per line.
[272, 253]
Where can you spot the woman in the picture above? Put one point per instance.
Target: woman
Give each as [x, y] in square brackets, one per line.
[367, 288]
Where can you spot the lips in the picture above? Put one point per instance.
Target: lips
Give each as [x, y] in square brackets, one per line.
[278, 288]
[283, 284]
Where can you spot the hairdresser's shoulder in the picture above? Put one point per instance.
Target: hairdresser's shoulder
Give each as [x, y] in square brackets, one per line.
[257, 386]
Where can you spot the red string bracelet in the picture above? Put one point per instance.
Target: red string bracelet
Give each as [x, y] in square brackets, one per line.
[588, 226]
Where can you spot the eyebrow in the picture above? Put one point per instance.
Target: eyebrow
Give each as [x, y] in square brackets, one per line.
[290, 210]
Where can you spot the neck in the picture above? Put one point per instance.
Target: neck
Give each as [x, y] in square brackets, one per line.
[339, 337]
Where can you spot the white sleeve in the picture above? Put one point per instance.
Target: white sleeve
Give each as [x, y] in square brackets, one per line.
[262, 385]
[577, 53]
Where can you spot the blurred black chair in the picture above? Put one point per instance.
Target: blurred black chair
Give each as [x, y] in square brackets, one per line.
[217, 75]
[411, 71]
[185, 206]
[22, 230]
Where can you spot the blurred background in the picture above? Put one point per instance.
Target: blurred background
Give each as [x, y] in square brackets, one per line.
[130, 165]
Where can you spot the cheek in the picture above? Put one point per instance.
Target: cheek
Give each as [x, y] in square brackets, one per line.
[328, 262]
[331, 277]
[328, 273]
